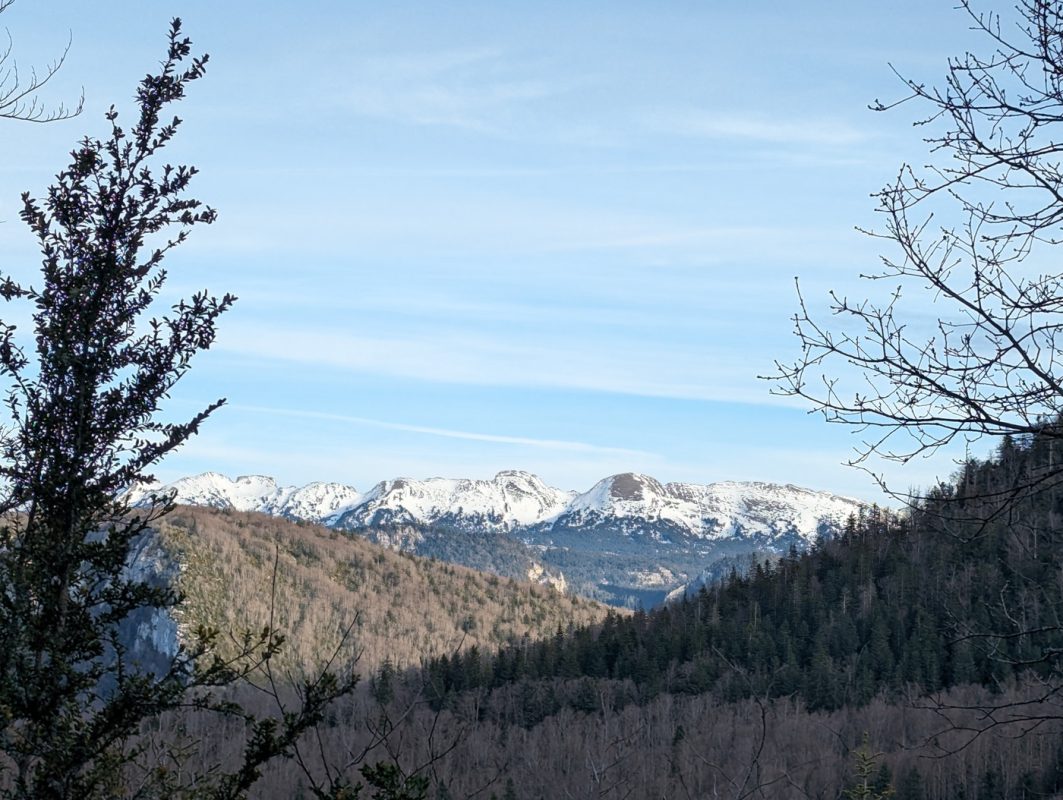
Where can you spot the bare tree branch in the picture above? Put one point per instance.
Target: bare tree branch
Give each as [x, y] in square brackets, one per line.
[19, 89]
[991, 364]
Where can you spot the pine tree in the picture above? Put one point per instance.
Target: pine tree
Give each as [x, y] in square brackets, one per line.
[867, 783]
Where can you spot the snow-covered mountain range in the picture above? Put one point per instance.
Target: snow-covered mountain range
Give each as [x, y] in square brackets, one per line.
[315, 502]
[640, 503]
[629, 538]
[508, 501]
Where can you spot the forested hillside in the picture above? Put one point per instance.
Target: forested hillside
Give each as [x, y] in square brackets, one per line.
[934, 634]
[956, 606]
[918, 650]
[401, 608]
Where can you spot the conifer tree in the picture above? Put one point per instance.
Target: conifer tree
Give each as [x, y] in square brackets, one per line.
[867, 784]
[84, 397]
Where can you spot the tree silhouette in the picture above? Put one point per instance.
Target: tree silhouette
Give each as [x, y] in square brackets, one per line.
[990, 365]
[84, 399]
[19, 89]
[976, 231]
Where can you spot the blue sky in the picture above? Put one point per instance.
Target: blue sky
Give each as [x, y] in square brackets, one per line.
[466, 237]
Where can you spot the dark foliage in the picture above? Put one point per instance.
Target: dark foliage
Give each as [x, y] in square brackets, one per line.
[897, 608]
[894, 605]
[83, 400]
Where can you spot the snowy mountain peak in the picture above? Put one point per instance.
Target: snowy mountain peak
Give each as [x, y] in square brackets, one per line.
[712, 511]
[628, 494]
[628, 539]
[516, 500]
[632, 486]
[510, 499]
[319, 502]
[520, 480]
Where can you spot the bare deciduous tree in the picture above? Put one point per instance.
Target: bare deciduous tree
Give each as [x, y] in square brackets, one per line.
[977, 232]
[19, 89]
[970, 231]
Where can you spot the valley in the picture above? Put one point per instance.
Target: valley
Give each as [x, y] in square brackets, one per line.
[890, 647]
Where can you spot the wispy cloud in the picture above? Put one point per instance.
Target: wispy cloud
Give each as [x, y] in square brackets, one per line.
[788, 130]
[615, 367]
[363, 463]
[471, 89]
[449, 222]
[447, 433]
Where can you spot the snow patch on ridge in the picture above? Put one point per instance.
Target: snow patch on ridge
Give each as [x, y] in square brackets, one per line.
[316, 502]
[514, 500]
[509, 500]
[713, 511]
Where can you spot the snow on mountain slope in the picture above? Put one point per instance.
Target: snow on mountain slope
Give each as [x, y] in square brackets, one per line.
[713, 511]
[628, 540]
[629, 496]
[317, 502]
[726, 509]
[510, 500]
[513, 500]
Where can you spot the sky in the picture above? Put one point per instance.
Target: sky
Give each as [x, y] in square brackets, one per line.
[466, 237]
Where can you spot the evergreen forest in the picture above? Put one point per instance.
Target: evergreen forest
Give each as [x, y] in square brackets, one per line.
[963, 591]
